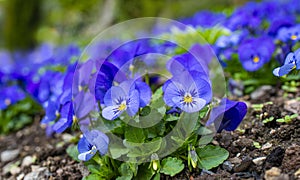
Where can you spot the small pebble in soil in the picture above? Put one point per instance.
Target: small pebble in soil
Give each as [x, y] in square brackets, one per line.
[40, 173]
[260, 92]
[244, 165]
[259, 161]
[266, 146]
[297, 174]
[275, 174]
[9, 155]
[28, 160]
[228, 166]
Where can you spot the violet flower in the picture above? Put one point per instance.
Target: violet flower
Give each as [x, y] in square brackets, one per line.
[228, 115]
[129, 96]
[289, 34]
[90, 143]
[255, 52]
[292, 61]
[189, 92]
[10, 95]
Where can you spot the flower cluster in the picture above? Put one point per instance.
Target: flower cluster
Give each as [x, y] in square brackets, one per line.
[256, 32]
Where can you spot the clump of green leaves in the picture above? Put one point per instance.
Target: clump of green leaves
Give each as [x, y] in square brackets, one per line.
[17, 116]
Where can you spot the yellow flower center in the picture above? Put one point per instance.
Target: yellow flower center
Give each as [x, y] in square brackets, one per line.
[122, 106]
[294, 37]
[187, 98]
[256, 59]
[7, 102]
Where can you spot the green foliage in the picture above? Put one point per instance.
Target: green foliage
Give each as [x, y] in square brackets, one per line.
[287, 118]
[211, 156]
[171, 166]
[270, 119]
[72, 151]
[18, 115]
[256, 145]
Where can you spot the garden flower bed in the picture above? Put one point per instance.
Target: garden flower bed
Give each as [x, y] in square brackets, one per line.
[209, 96]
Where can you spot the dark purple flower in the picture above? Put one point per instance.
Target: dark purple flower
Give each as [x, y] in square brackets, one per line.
[255, 52]
[52, 111]
[187, 91]
[292, 61]
[280, 22]
[10, 95]
[107, 74]
[228, 115]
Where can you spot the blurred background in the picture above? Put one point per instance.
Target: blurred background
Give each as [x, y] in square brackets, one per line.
[25, 24]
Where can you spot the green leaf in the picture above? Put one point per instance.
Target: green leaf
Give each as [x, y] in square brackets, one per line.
[117, 150]
[135, 135]
[143, 149]
[126, 171]
[93, 177]
[172, 118]
[171, 166]
[144, 172]
[145, 111]
[94, 169]
[73, 152]
[211, 156]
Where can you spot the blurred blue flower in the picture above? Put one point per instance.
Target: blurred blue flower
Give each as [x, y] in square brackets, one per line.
[188, 91]
[289, 34]
[10, 95]
[90, 143]
[255, 52]
[227, 115]
[292, 61]
[204, 19]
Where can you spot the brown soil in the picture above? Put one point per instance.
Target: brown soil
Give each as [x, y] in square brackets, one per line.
[280, 147]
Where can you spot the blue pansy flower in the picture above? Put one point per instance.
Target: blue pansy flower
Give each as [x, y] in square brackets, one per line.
[187, 62]
[10, 95]
[189, 92]
[292, 61]
[129, 96]
[255, 52]
[73, 111]
[228, 115]
[90, 143]
[107, 74]
[289, 34]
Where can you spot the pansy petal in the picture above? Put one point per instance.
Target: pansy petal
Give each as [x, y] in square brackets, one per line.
[83, 145]
[290, 58]
[133, 105]
[171, 90]
[111, 112]
[113, 94]
[144, 93]
[85, 156]
[84, 102]
[297, 57]
[62, 124]
[285, 69]
[100, 140]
